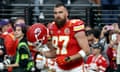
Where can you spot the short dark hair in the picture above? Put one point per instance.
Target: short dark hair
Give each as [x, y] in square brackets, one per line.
[89, 32]
[59, 5]
[95, 32]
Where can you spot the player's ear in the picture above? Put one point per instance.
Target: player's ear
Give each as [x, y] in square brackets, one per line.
[67, 13]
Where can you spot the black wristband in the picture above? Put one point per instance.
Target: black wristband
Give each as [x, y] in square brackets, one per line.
[67, 59]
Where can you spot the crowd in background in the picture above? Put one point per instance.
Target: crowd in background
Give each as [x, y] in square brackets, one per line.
[104, 44]
[108, 37]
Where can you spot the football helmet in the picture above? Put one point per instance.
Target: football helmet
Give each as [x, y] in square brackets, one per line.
[37, 35]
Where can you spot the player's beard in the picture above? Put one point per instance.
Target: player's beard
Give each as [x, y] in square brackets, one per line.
[60, 23]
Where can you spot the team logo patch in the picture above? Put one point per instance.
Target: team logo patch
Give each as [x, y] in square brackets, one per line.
[37, 31]
[67, 31]
[80, 27]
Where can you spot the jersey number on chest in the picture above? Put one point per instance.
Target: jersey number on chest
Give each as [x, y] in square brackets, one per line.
[56, 40]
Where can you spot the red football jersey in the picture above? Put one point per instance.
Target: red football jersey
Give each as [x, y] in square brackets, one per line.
[63, 39]
[100, 61]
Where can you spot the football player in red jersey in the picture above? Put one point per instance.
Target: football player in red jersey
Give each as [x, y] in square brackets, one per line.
[68, 37]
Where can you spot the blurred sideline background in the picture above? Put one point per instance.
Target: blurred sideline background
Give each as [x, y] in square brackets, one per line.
[94, 14]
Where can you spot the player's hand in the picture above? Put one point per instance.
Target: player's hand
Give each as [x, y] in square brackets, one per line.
[62, 60]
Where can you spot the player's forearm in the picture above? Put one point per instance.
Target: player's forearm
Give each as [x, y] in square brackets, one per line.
[49, 54]
[75, 57]
[83, 42]
[12, 65]
[50, 45]
[84, 46]
[82, 53]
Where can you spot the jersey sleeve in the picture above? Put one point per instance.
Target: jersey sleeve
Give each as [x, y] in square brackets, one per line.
[78, 25]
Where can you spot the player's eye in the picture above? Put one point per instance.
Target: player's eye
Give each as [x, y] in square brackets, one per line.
[60, 11]
[55, 12]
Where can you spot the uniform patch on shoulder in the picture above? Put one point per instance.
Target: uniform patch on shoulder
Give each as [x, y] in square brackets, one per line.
[80, 27]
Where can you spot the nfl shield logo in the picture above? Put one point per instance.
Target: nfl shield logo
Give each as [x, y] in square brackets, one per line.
[67, 31]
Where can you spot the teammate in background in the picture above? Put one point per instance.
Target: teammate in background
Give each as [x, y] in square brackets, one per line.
[96, 62]
[69, 39]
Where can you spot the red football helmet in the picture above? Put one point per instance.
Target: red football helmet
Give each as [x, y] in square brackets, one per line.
[37, 34]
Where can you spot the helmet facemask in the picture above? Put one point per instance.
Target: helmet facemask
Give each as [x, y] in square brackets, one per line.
[39, 42]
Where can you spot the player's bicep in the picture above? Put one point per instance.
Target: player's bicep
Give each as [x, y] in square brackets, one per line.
[80, 35]
[82, 41]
